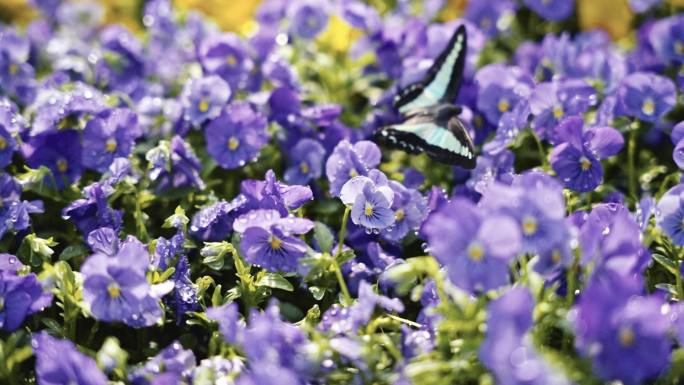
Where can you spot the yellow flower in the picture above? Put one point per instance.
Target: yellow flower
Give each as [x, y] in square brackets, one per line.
[613, 16]
[338, 35]
[233, 15]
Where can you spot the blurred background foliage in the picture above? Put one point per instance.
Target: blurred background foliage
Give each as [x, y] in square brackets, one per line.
[613, 16]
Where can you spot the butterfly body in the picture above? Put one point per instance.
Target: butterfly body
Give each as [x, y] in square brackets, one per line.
[431, 124]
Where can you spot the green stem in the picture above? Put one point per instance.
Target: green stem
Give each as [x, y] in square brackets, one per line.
[680, 285]
[572, 281]
[336, 266]
[542, 153]
[523, 269]
[631, 149]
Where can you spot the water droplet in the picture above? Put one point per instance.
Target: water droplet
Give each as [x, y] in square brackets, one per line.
[376, 231]
[369, 231]
[12, 260]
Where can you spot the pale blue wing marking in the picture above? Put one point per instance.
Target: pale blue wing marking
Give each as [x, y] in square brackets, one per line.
[432, 94]
[434, 135]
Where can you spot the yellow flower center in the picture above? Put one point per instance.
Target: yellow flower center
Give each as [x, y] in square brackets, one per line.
[353, 173]
[113, 290]
[231, 60]
[3, 143]
[558, 112]
[203, 106]
[529, 225]
[648, 108]
[275, 243]
[304, 167]
[679, 48]
[475, 252]
[585, 163]
[503, 105]
[110, 145]
[233, 143]
[556, 256]
[399, 215]
[13, 68]
[478, 121]
[368, 210]
[62, 165]
[626, 336]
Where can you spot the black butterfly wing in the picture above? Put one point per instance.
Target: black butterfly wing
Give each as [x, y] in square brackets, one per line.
[446, 141]
[442, 81]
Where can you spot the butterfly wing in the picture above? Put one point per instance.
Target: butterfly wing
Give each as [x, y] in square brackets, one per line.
[445, 141]
[442, 81]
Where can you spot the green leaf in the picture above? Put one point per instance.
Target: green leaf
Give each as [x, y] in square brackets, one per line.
[73, 251]
[216, 299]
[666, 262]
[214, 254]
[345, 257]
[275, 281]
[671, 289]
[324, 237]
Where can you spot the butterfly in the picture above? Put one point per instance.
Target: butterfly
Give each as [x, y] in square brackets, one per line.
[431, 124]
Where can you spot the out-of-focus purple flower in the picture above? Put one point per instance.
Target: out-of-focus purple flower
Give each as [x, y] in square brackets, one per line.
[553, 10]
[174, 361]
[109, 135]
[58, 110]
[576, 160]
[204, 98]
[641, 6]
[270, 241]
[350, 160]
[226, 55]
[501, 88]
[116, 288]
[506, 350]
[611, 237]
[236, 136]
[60, 152]
[93, 210]
[626, 335]
[59, 362]
[121, 66]
[645, 208]
[8, 145]
[670, 214]
[360, 15]
[228, 318]
[646, 96]
[306, 162]
[362, 311]
[667, 39]
[217, 370]
[370, 201]
[492, 168]
[552, 101]
[307, 18]
[475, 247]
[20, 295]
[174, 165]
[492, 17]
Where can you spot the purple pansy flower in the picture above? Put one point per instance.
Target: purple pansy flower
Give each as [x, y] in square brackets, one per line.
[14, 213]
[174, 362]
[626, 335]
[501, 88]
[667, 39]
[670, 214]
[410, 209]
[20, 295]
[641, 6]
[492, 17]
[553, 10]
[93, 210]
[58, 362]
[272, 194]
[58, 110]
[204, 98]
[306, 162]
[348, 161]
[576, 160]
[370, 201]
[215, 221]
[270, 241]
[226, 55]
[174, 165]
[228, 318]
[109, 135]
[60, 152]
[236, 136]
[122, 65]
[475, 248]
[307, 18]
[552, 101]
[646, 96]
[116, 288]
[8, 145]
